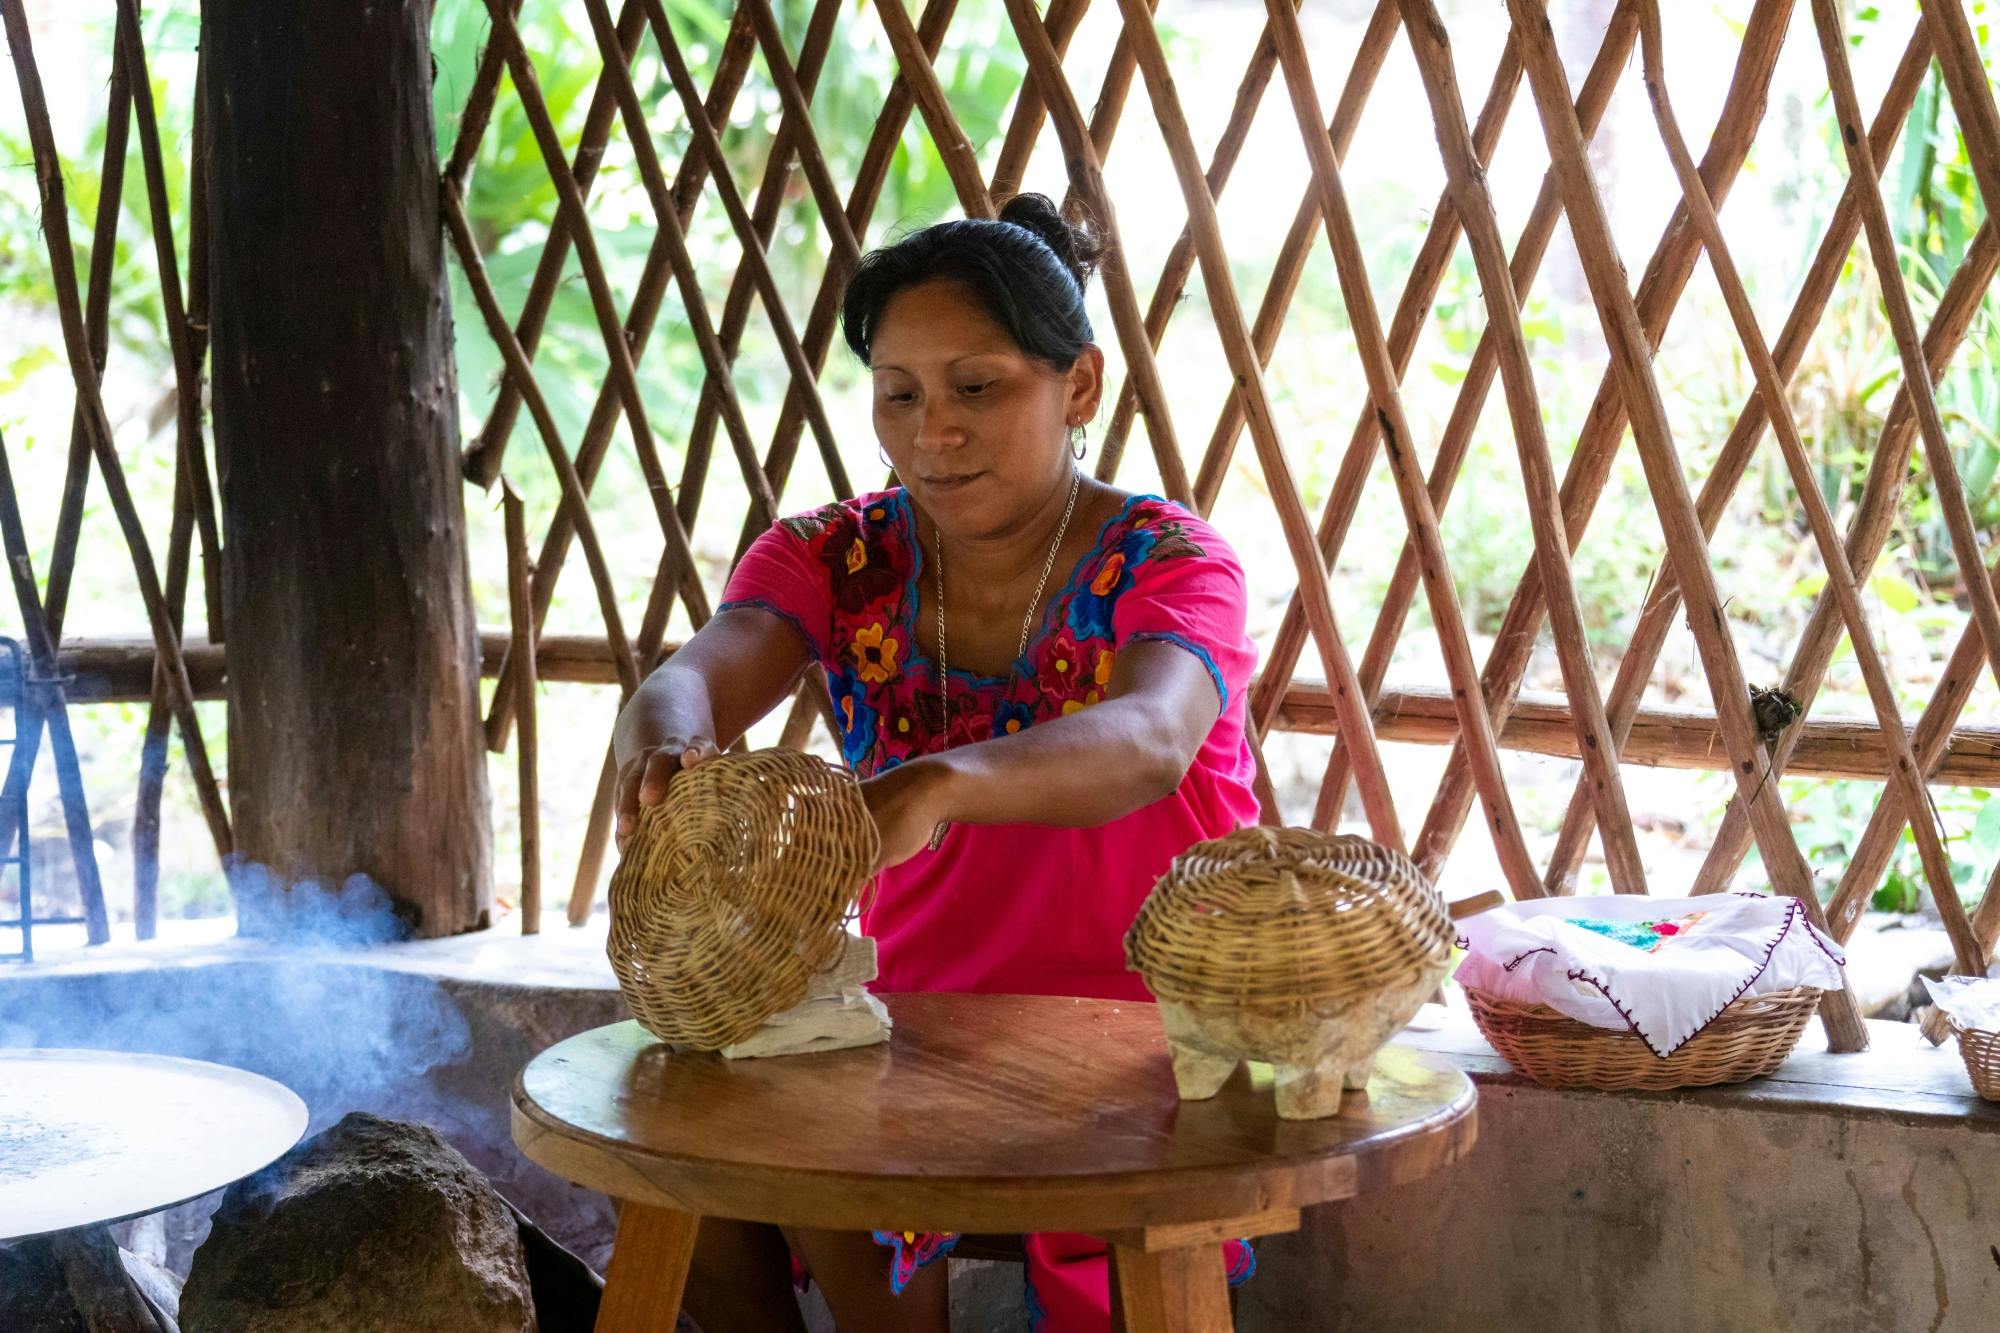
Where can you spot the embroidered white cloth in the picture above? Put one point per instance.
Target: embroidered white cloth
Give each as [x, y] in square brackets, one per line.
[1663, 967]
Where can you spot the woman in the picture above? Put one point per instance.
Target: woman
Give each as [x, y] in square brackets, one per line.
[1039, 679]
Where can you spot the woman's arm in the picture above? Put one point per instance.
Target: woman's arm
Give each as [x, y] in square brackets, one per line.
[1089, 768]
[737, 668]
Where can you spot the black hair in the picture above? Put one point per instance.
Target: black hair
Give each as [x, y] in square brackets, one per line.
[1026, 270]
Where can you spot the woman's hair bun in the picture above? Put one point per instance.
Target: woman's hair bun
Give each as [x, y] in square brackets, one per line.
[1076, 242]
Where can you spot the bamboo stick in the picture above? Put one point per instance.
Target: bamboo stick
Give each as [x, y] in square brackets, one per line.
[1474, 209]
[1030, 111]
[821, 324]
[1467, 406]
[521, 617]
[1399, 443]
[194, 498]
[1904, 776]
[486, 454]
[771, 203]
[101, 671]
[1873, 513]
[76, 472]
[1370, 53]
[478, 110]
[820, 328]
[771, 199]
[1172, 282]
[639, 320]
[1971, 90]
[597, 825]
[1631, 358]
[1086, 174]
[516, 359]
[1878, 842]
[753, 232]
[1660, 289]
[1248, 374]
[1412, 313]
[96, 322]
[62, 264]
[1946, 485]
[846, 245]
[622, 372]
[186, 356]
[961, 163]
[693, 302]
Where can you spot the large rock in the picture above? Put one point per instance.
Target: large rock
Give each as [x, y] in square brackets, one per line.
[79, 1281]
[34, 1293]
[374, 1226]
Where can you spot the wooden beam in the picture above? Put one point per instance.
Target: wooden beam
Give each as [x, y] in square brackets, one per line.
[121, 671]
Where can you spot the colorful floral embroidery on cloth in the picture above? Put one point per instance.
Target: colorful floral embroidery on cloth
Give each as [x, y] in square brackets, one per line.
[913, 1251]
[1649, 936]
[885, 693]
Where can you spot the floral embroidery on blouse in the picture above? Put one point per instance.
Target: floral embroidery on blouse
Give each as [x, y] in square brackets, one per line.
[885, 691]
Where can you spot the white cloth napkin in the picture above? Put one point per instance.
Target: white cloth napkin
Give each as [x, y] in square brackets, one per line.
[1973, 1001]
[1663, 967]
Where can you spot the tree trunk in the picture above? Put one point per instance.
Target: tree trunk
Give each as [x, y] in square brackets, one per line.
[354, 739]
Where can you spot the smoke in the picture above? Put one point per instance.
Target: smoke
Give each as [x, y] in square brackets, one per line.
[357, 914]
[328, 1008]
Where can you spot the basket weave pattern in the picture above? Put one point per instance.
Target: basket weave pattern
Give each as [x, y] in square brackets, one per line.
[1288, 946]
[1748, 1039]
[734, 891]
[1980, 1048]
[1287, 916]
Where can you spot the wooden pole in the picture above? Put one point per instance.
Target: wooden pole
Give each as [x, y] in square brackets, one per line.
[522, 620]
[354, 738]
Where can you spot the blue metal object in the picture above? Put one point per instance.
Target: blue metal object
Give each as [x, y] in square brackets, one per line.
[14, 813]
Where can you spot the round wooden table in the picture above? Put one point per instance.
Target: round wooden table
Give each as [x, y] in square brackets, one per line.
[981, 1114]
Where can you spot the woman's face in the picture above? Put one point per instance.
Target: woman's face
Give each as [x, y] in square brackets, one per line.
[976, 429]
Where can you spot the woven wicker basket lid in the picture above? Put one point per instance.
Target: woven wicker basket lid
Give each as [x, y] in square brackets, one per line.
[734, 892]
[1283, 916]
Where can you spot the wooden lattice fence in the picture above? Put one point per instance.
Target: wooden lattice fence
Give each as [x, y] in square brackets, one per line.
[1483, 712]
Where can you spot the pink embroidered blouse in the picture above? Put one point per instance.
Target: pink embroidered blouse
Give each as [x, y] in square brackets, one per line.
[1015, 909]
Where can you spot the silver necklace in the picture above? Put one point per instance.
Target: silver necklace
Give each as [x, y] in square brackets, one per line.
[1027, 621]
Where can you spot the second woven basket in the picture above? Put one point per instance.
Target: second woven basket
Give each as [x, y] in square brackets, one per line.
[1292, 947]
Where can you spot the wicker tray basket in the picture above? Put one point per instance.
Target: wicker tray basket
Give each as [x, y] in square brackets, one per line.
[1980, 1048]
[1749, 1039]
[734, 893]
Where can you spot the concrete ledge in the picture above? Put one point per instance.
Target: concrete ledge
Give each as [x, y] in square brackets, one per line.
[1847, 1192]
[1853, 1192]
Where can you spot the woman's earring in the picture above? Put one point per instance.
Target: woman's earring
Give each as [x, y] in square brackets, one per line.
[1076, 443]
[883, 454]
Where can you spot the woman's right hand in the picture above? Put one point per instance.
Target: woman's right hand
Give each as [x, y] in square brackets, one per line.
[643, 779]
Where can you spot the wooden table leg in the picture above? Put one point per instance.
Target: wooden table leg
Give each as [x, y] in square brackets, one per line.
[1181, 1290]
[649, 1269]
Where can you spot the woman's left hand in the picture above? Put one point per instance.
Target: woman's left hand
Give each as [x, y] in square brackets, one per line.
[907, 804]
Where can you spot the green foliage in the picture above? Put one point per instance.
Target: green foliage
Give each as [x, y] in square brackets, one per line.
[1829, 817]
